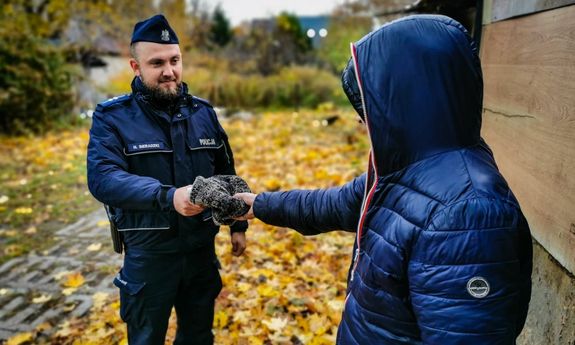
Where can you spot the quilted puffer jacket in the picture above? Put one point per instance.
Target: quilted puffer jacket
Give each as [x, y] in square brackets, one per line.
[443, 252]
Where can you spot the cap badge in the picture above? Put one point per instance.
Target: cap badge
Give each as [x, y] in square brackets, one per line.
[165, 35]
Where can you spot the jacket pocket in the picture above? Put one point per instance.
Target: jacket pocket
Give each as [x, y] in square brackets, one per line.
[131, 301]
[150, 158]
[203, 157]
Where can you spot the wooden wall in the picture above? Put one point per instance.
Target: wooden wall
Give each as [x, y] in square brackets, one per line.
[529, 119]
[503, 9]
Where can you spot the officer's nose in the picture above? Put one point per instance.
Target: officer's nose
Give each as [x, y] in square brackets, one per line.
[168, 72]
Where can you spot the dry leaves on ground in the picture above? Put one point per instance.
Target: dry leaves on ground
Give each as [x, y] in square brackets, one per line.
[286, 288]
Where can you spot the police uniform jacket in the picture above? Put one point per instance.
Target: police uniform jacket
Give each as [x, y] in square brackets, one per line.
[443, 252]
[138, 155]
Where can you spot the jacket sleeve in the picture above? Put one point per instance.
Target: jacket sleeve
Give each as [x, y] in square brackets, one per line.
[470, 274]
[109, 180]
[311, 212]
[225, 165]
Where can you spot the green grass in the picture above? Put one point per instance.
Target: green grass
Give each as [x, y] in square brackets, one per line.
[42, 189]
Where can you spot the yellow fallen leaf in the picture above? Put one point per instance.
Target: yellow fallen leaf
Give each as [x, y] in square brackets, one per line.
[94, 247]
[23, 210]
[19, 339]
[276, 324]
[13, 250]
[265, 290]
[74, 280]
[103, 223]
[243, 287]
[220, 319]
[99, 299]
[41, 299]
[68, 292]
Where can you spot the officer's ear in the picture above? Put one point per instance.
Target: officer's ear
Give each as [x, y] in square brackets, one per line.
[135, 66]
[134, 60]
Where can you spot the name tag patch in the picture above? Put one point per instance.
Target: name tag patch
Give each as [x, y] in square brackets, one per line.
[146, 147]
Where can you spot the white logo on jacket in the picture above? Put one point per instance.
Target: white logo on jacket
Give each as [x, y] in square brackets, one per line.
[207, 142]
[478, 287]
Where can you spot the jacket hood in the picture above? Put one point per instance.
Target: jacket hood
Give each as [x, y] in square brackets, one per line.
[422, 89]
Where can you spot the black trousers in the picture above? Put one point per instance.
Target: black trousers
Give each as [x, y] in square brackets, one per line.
[151, 284]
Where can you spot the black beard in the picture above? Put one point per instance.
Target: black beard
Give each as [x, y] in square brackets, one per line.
[162, 97]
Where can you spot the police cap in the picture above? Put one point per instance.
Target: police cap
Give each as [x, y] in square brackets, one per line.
[155, 29]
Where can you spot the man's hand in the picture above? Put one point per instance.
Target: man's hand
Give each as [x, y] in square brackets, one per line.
[238, 243]
[183, 205]
[248, 198]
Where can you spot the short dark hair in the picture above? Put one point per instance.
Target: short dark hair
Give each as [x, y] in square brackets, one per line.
[133, 51]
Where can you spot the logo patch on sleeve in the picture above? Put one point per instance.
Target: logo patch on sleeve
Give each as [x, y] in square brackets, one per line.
[478, 287]
[208, 142]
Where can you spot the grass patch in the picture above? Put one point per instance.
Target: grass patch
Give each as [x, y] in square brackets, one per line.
[42, 188]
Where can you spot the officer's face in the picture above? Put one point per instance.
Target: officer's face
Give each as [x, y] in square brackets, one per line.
[159, 66]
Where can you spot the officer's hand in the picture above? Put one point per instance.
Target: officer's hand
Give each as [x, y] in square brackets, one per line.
[249, 199]
[238, 243]
[183, 205]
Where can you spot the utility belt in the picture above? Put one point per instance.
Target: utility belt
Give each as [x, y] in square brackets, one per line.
[116, 235]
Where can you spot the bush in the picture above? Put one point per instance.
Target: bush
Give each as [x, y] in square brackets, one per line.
[212, 78]
[295, 86]
[35, 84]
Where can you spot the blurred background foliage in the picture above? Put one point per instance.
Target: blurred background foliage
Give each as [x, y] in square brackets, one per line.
[49, 50]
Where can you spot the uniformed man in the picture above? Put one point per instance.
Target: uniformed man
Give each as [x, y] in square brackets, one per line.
[145, 149]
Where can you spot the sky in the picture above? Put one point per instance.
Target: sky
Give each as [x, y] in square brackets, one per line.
[240, 10]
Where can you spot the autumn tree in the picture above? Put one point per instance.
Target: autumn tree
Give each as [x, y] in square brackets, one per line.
[344, 27]
[39, 40]
[221, 32]
[35, 84]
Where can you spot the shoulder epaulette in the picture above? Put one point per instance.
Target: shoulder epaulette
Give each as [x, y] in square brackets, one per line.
[114, 100]
[203, 101]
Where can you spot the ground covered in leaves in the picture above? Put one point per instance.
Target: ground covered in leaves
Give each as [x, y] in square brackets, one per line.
[42, 188]
[286, 288]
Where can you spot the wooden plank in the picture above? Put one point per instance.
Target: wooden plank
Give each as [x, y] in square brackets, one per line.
[504, 9]
[487, 6]
[529, 120]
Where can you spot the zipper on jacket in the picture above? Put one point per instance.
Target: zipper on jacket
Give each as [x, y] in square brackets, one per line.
[369, 191]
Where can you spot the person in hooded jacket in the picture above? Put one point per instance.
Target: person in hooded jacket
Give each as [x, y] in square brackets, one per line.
[443, 253]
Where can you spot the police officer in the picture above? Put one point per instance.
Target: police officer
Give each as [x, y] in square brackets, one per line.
[145, 150]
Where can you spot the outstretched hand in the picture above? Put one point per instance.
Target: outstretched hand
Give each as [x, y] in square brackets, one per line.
[183, 205]
[248, 198]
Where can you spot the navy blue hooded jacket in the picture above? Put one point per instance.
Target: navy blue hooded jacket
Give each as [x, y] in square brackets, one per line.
[139, 154]
[443, 252]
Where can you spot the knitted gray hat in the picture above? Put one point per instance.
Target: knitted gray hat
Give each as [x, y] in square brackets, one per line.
[216, 192]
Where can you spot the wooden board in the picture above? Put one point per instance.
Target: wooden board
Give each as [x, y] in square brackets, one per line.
[529, 120]
[504, 9]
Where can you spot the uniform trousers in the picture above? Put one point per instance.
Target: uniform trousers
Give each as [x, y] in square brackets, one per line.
[151, 284]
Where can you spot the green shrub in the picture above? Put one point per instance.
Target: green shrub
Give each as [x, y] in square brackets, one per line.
[213, 79]
[293, 86]
[35, 84]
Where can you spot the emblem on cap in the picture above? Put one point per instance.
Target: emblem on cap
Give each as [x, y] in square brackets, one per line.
[478, 287]
[165, 35]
